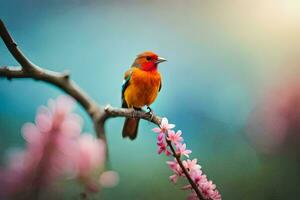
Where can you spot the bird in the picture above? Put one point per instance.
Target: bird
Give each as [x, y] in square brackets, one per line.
[142, 83]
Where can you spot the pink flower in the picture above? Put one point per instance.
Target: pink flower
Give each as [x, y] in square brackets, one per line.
[62, 105]
[54, 150]
[174, 166]
[109, 179]
[191, 165]
[208, 191]
[181, 150]
[160, 136]
[173, 178]
[162, 147]
[187, 187]
[198, 177]
[207, 188]
[215, 195]
[91, 153]
[174, 137]
[164, 126]
[193, 196]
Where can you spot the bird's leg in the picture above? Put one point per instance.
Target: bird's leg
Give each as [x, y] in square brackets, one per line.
[132, 111]
[150, 112]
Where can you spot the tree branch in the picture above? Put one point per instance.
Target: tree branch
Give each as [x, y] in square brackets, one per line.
[97, 113]
[61, 80]
[13, 48]
[111, 112]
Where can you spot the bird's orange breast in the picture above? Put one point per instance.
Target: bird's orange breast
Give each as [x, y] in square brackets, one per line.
[143, 88]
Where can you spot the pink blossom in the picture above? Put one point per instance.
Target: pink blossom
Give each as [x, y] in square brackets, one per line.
[173, 164]
[164, 126]
[212, 195]
[215, 195]
[181, 150]
[198, 177]
[173, 178]
[274, 126]
[206, 187]
[176, 169]
[91, 153]
[54, 150]
[187, 187]
[62, 105]
[193, 196]
[160, 136]
[175, 137]
[109, 179]
[191, 165]
[162, 147]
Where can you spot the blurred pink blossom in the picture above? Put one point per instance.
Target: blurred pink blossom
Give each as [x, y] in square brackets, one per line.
[274, 126]
[90, 155]
[54, 150]
[109, 179]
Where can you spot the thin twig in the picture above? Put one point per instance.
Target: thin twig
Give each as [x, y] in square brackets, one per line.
[111, 112]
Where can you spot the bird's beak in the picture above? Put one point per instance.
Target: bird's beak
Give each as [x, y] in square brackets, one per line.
[160, 60]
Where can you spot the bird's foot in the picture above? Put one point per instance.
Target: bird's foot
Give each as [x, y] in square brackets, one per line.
[150, 112]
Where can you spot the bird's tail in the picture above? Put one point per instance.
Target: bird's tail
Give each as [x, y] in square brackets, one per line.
[130, 128]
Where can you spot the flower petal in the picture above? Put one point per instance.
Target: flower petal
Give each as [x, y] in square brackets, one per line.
[156, 130]
[164, 122]
[170, 126]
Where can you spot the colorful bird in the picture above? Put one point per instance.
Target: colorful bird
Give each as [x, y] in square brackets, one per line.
[142, 82]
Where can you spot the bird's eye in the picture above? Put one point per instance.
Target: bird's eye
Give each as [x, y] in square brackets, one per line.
[148, 58]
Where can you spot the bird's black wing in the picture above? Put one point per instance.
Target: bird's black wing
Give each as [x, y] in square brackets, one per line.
[124, 86]
[160, 86]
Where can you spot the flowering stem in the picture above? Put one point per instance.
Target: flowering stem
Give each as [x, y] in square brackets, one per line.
[186, 173]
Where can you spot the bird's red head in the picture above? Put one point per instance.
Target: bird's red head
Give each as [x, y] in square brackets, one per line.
[148, 61]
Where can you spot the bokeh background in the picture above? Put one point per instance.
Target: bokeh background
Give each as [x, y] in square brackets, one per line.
[231, 84]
